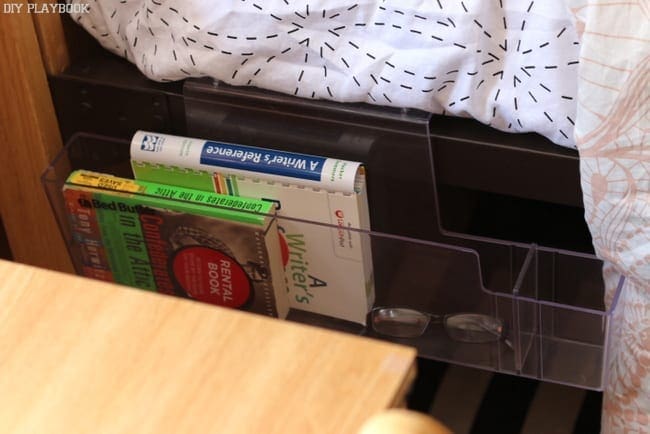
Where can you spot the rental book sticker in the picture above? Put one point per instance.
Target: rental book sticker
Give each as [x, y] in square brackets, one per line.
[209, 275]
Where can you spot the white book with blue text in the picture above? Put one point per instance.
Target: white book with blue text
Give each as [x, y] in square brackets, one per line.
[328, 269]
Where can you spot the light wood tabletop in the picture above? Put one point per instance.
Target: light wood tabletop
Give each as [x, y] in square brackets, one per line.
[81, 356]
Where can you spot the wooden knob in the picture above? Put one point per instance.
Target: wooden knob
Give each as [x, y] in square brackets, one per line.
[401, 421]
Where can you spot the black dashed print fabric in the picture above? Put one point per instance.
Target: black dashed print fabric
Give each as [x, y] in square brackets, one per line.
[511, 64]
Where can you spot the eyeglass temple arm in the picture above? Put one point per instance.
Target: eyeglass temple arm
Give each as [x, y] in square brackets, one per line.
[500, 334]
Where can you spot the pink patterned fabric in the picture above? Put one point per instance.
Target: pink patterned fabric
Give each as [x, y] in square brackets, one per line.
[613, 137]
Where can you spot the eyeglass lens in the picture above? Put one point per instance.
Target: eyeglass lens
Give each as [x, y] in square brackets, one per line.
[398, 322]
[473, 328]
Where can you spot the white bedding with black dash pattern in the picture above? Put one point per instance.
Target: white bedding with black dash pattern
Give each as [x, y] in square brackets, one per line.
[511, 64]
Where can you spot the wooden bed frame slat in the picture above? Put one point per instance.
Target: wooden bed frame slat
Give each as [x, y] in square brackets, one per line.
[29, 137]
[52, 41]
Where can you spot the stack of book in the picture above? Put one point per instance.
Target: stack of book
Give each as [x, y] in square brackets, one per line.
[227, 224]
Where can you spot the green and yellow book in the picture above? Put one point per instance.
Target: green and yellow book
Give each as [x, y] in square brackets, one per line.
[209, 247]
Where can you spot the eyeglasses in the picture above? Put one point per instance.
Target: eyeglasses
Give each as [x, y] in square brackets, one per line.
[462, 327]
